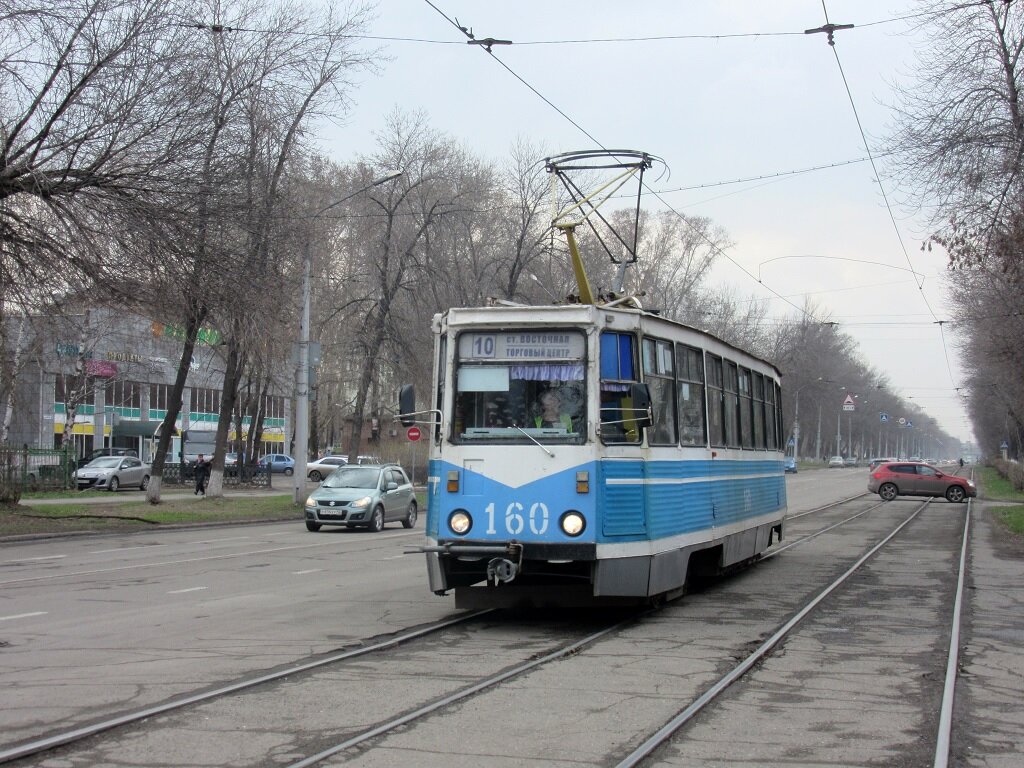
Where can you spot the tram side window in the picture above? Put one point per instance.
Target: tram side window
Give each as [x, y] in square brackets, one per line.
[759, 410]
[746, 409]
[730, 399]
[659, 368]
[690, 395]
[771, 391]
[618, 372]
[442, 348]
[716, 421]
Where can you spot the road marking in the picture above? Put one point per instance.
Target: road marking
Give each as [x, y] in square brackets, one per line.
[303, 573]
[124, 549]
[183, 591]
[215, 541]
[324, 541]
[23, 615]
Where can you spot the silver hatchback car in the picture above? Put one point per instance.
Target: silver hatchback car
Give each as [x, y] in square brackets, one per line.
[366, 496]
[112, 472]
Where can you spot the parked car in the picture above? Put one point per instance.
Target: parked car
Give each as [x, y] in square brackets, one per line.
[112, 472]
[106, 452]
[365, 496]
[873, 464]
[278, 462]
[905, 478]
[789, 464]
[836, 461]
[322, 467]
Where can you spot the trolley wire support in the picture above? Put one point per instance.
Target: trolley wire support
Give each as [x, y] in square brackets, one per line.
[625, 165]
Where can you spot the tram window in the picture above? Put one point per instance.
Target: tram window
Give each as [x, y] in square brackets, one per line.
[716, 420]
[504, 378]
[442, 347]
[758, 410]
[746, 408]
[690, 395]
[730, 402]
[658, 365]
[618, 369]
[770, 417]
[617, 356]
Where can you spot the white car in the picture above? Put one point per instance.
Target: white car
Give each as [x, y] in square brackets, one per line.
[112, 472]
[836, 461]
[321, 468]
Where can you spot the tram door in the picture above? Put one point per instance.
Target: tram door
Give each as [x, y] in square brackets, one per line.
[622, 499]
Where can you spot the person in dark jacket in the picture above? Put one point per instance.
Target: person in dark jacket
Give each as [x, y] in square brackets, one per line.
[202, 473]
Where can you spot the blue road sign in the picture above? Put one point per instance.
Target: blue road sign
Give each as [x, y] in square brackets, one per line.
[883, 416]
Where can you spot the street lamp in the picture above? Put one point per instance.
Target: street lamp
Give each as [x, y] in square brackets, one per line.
[302, 389]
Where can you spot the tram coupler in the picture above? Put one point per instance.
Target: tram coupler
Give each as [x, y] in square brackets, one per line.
[502, 570]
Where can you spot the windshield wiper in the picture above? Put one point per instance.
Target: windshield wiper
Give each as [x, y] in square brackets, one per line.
[549, 453]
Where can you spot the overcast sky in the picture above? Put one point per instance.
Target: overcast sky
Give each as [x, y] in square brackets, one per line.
[739, 92]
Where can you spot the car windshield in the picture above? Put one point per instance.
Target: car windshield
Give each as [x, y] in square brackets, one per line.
[105, 462]
[353, 477]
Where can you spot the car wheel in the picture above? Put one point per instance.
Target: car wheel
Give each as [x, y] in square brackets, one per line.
[888, 492]
[145, 482]
[410, 516]
[313, 527]
[955, 494]
[114, 484]
[315, 476]
[288, 471]
[377, 520]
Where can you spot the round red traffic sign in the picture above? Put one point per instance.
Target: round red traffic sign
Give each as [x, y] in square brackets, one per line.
[413, 433]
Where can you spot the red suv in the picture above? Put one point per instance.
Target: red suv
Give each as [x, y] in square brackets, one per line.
[915, 478]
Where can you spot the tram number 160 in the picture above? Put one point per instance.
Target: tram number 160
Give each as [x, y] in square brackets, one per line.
[516, 520]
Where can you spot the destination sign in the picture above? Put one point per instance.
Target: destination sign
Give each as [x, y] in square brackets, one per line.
[523, 346]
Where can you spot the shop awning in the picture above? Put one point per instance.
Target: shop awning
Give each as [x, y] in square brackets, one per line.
[128, 428]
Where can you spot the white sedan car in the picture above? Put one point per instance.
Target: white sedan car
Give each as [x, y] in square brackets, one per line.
[321, 468]
[113, 472]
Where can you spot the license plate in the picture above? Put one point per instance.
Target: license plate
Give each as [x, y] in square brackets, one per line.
[331, 513]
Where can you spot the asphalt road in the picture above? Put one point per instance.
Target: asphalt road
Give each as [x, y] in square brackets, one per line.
[94, 625]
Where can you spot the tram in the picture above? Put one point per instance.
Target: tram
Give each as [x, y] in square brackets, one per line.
[593, 451]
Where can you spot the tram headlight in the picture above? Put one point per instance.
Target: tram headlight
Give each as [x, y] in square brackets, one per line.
[572, 523]
[460, 522]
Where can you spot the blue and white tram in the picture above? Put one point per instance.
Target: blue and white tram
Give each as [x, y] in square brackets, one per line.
[665, 454]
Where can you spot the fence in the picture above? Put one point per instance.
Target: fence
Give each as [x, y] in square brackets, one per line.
[47, 469]
[36, 468]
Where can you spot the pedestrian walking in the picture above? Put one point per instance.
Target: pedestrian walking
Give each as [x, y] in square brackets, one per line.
[202, 472]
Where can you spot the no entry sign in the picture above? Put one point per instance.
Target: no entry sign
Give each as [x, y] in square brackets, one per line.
[413, 433]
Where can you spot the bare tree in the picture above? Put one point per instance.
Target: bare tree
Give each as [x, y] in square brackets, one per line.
[958, 139]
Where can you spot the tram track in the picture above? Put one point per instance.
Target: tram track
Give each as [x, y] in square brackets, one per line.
[664, 735]
[381, 726]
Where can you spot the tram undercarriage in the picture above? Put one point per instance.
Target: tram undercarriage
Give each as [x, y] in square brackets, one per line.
[489, 575]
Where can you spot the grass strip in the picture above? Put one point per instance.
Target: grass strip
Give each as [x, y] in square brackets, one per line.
[1012, 518]
[996, 487]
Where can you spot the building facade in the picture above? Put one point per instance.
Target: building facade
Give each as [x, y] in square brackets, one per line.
[107, 376]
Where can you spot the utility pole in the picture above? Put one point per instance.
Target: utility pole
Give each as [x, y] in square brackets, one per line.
[302, 387]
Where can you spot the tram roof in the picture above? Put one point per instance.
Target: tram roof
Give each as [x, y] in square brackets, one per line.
[610, 318]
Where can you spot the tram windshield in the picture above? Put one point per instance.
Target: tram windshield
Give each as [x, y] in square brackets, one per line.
[511, 386]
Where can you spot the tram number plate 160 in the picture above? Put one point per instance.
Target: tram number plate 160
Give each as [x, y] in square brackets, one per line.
[517, 518]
